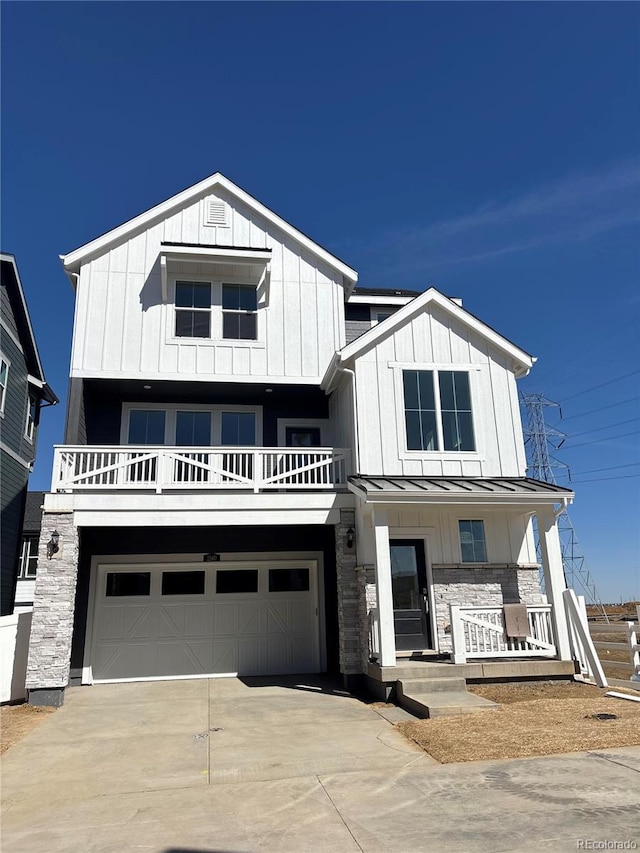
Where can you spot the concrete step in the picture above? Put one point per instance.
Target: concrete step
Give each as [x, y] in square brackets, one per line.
[418, 669]
[454, 684]
[443, 704]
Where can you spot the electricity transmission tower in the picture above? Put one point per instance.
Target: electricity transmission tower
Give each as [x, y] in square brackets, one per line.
[540, 438]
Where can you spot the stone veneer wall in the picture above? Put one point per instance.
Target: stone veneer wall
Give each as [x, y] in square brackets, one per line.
[54, 604]
[470, 586]
[352, 606]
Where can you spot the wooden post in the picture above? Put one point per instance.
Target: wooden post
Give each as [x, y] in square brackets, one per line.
[458, 642]
[554, 578]
[582, 630]
[384, 591]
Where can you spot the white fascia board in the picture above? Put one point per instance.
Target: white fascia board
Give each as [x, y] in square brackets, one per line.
[81, 373]
[219, 256]
[73, 259]
[377, 333]
[357, 299]
[10, 259]
[462, 498]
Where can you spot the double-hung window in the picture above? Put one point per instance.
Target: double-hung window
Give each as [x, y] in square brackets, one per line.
[193, 309]
[4, 379]
[437, 407]
[28, 557]
[239, 312]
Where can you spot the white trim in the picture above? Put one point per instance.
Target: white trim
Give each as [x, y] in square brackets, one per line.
[361, 299]
[522, 360]
[5, 388]
[80, 373]
[520, 499]
[214, 255]
[10, 259]
[9, 333]
[15, 456]
[171, 410]
[100, 565]
[324, 425]
[75, 258]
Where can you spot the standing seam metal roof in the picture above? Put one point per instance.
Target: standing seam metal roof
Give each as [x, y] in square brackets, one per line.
[451, 485]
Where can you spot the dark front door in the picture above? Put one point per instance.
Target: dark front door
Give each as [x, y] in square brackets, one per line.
[410, 598]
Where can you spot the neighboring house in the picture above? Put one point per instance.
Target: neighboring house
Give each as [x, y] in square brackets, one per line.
[241, 490]
[23, 392]
[28, 560]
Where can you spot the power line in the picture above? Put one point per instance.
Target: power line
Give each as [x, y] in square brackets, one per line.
[602, 385]
[610, 468]
[599, 429]
[602, 479]
[600, 408]
[598, 440]
[538, 440]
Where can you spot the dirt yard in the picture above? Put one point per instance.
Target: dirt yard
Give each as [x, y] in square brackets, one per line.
[16, 721]
[538, 718]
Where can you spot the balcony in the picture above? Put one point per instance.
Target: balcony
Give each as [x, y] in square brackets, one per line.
[179, 469]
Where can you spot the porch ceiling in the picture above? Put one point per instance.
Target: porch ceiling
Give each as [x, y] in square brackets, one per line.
[520, 490]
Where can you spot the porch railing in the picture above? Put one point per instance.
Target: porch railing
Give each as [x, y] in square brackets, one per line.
[257, 469]
[479, 632]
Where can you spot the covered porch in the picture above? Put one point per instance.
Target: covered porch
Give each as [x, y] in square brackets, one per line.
[465, 592]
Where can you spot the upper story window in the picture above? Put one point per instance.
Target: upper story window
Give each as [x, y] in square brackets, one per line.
[191, 426]
[437, 407]
[239, 312]
[193, 309]
[473, 547]
[4, 379]
[32, 418]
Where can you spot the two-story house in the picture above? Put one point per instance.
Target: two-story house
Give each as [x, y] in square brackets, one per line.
[269, 471]
[23, 392]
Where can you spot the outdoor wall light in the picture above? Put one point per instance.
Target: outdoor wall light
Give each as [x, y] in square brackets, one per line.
[52, 545]
[350, 535]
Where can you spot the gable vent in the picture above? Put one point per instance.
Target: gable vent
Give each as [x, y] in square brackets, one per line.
[215, 212]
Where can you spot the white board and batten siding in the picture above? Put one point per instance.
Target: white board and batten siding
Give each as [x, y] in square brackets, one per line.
[123, 329]
[436, 341]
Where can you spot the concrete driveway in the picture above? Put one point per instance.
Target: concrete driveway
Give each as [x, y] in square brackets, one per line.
[222, 765]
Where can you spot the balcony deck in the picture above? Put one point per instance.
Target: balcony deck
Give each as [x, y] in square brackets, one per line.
[163, 469]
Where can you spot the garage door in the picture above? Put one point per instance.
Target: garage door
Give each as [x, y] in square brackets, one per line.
[172, 621]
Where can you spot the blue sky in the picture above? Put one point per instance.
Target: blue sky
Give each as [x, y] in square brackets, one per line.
[490, 150]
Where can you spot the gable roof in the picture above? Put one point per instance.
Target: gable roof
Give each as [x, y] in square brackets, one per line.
[15, 292]
[523, 362]
[72, 260]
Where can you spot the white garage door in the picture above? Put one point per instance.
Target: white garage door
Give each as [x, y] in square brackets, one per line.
[168, 621]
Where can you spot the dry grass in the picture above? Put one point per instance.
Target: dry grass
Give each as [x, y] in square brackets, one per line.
[16, 721]
[534, 719]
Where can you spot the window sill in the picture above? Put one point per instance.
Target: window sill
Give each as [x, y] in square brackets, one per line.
[444, 455]
[211, 342]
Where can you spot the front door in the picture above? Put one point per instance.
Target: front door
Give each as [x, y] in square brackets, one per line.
[410, 598]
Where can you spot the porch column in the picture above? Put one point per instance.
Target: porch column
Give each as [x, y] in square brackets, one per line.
[53, 612]
[384, 591]
[554, 578]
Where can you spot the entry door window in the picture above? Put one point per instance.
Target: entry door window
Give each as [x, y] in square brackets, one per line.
[409, 590]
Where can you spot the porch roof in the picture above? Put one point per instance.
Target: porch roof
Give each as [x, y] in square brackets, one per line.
[493, 490]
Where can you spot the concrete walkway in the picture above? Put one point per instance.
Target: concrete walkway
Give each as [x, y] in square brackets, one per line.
[222, 765]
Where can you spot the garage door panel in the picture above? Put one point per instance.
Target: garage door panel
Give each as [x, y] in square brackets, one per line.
[227, 628]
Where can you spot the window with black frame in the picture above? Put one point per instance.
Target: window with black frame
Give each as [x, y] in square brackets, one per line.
[239, 312]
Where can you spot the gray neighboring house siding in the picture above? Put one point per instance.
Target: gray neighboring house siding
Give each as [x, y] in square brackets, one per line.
[18, 348]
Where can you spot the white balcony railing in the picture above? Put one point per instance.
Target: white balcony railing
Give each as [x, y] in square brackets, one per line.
[479, 632]
[256, 469]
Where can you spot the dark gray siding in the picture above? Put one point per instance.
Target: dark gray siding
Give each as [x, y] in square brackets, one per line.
[13, 490]
[355, 328]
[75, 431]
[15, 408]
[7, 313]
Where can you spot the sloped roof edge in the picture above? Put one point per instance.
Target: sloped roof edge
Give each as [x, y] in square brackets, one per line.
[25, 329]
[383, 330]
[72, 259]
